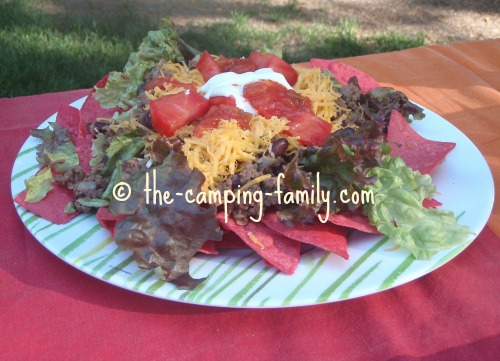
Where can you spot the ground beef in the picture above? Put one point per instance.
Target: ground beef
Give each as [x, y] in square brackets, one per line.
[352, 99]
[70, 177]
[241, 211]
[84, 186]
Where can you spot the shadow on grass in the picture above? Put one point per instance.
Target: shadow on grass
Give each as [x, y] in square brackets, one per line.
[472, 5]
[44, 52]
[233, 39]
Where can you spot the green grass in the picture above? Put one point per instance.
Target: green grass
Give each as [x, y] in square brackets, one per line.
[45, 52]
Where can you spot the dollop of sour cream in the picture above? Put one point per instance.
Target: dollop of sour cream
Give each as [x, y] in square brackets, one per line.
[232, 84]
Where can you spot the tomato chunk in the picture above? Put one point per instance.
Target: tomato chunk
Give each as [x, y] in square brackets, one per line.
[174, 111]
[277, 64]
[221, 112]
[273, 99]
[236, 65]
[218, 100]
[207, 66]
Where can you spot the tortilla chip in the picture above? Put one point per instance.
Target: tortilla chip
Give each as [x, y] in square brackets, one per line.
[51, 207]
[230, 240]
[208, 248]
[344, 72]
[68, 118]
[109, 220]
[418, 153]
[355, 220]
[279, 251]
[327, 236]
[431, 203]
[91, 109]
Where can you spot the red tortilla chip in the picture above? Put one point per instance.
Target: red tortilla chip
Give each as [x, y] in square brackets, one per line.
[431, 203]
[208, 248]
[52, 206]
[230, 240]
[279, 251]
[109, 220]
[344, 72]
[68, 118]
[355, 220]
[327, 236]
[418, 153]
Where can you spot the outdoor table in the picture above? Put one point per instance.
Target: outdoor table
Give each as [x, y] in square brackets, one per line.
[52, 311]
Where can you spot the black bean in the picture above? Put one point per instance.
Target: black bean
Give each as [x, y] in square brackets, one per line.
[279, 146]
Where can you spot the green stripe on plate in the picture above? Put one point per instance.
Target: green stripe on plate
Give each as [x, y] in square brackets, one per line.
[155, 286]
[142, 280]
[264, 301]
[94, 250]
[136, 274]
[231, 281]
[23, 213]
[43, 228]
[77, 242]
[190, 295]
[26, 151]
[448, 256]
[108, 258]
[237, 297]
[33, 227]
[71, 225]
[23, 172]
[394, 275]
[219, 279]
[193, 273]
[328, 292]
[89, 262]
[31, 220]
[115, 269]
[356, 283]
[311, 273]
[264, 284]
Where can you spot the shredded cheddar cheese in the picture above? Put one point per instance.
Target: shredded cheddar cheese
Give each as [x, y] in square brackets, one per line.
[222, 151]
[320, 88]
[254, 181]
[167, 89]
[183, 74]
[255, 240]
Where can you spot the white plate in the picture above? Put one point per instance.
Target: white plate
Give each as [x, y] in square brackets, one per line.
[239, 278]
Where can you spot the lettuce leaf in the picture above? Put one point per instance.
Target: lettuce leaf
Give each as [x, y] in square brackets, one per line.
[345, 160]
[39, 185]
[397, 210]
[121, 87]
[123, 146]
[160, 234]
[56, 149]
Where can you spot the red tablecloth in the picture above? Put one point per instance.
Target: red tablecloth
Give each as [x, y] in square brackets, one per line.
[50, 310]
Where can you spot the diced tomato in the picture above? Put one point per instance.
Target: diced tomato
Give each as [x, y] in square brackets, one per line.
[162, 80]
[277, 64]
[207, 66]
[215, 114]
[270, 98]
[236, 65]
[174, 111]
[214, 101]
